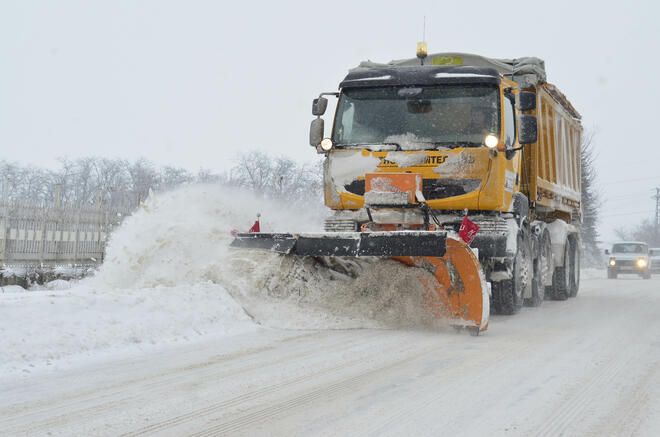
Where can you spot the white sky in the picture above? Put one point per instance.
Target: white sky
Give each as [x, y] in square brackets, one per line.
[194, 83]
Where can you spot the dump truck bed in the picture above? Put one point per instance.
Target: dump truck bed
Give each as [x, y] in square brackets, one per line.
[553, 163]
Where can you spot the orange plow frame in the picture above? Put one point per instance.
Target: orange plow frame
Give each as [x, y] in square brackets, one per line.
[460, 292]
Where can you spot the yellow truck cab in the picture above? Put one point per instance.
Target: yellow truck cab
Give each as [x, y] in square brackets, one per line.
[483, 137]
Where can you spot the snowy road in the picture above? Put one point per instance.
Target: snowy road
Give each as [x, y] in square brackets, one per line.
[587, 366]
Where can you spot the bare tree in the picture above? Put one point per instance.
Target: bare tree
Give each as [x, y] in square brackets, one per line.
[278, 177]
[122, 183]
[591, 202]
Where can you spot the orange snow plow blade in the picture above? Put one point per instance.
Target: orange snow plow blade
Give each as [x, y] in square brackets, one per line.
[460, 292]
[457, 293]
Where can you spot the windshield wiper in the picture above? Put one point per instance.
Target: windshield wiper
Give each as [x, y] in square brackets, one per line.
[452, 145]
[397, 145]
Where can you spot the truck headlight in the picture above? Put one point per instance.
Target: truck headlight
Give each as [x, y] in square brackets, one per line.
[641, 263]
[326, 144]
[612, 262]
[491, 141]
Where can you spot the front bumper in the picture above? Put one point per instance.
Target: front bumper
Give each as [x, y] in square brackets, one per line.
[627, 266]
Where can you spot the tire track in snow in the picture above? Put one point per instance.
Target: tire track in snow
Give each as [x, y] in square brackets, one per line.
[126, 390]
[256, 394]
[327, 392]
[480, 367]
[619, 361]
[629, 412]
[561, 418]
[407, 413]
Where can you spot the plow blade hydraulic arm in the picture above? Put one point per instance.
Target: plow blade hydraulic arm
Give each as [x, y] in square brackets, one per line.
[382, 244]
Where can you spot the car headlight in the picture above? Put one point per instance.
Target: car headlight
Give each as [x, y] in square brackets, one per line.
[641, 263]
[612, 262]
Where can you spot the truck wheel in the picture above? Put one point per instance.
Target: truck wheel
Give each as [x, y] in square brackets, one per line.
[561, 282]
[611, 274]
[647, 275]
[575, 268]
[512, 290]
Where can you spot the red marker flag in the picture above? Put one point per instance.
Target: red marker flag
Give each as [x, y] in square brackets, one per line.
[255, 227]
[468, 230]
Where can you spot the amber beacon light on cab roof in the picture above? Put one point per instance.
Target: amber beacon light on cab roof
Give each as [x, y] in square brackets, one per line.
[420, 148]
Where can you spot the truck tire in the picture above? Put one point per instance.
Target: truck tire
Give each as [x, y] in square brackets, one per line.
[647, 275]
[611, 274]
[575, 267]
[561, 281]
[511, 291]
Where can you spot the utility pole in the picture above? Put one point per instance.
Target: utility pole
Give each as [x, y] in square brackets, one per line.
[657, 212]
[657, 207]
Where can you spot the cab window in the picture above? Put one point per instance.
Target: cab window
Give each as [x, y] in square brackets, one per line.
[510, 124]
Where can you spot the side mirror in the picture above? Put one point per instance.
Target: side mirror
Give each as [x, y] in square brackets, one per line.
[527, 129]
[316, 132]
[319, 105]
[607, 252]
[525, 101]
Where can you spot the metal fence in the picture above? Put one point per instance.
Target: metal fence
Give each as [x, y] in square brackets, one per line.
[40, 235]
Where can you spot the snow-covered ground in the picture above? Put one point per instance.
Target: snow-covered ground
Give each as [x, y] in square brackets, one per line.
[169, 278]
[178, 335]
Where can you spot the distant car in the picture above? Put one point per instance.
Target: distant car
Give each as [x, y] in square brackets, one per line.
[629, 257]
[654, 254]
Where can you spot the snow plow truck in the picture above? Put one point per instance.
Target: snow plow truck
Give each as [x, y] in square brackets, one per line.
[463, 165]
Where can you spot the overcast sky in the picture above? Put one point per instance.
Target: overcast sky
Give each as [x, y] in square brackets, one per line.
[194, 83]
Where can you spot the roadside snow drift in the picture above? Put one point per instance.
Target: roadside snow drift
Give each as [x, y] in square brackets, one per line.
[169, 276]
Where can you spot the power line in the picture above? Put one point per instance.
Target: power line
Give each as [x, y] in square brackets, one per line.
[631, 180]
[620, 214]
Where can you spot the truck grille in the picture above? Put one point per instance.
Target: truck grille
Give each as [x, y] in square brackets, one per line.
[356, 187]
[625, 263]
[340, 225]
[487, 225]
[494, 225]
[431, 188]
[444, 188]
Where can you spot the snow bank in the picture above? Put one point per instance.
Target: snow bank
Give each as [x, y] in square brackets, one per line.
[176, 238]
[40, 328]
[12, 289]
[170, 276]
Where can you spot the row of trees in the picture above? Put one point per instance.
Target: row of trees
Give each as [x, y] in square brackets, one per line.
[646, 231]
[590, 203]
[119, 182]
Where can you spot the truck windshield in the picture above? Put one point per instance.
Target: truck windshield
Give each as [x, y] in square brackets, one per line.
[629, 248]
[417, 117]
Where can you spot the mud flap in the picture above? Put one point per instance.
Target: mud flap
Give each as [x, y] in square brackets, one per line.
[460, 292]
